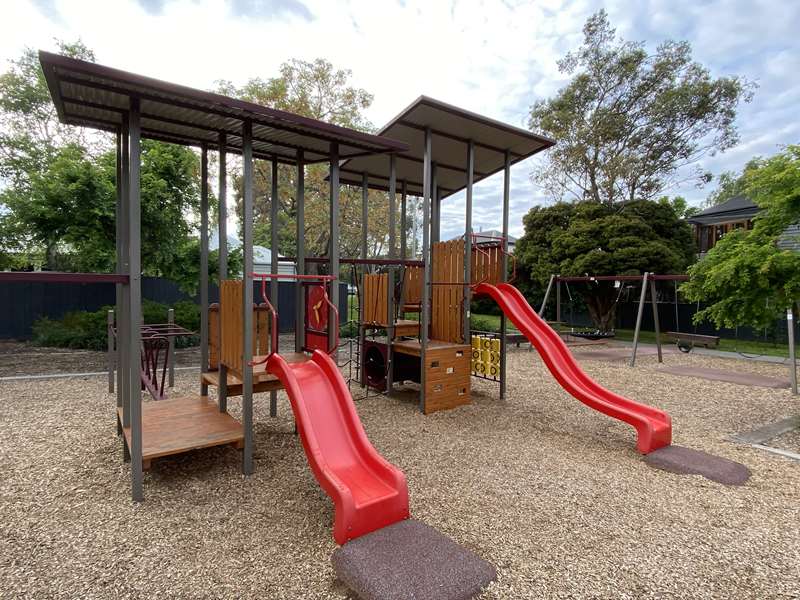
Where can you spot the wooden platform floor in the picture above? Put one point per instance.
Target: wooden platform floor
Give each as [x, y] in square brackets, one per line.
[262, 381]
[413, 347]
[179, 425]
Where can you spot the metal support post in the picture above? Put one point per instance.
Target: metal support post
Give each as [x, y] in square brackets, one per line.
[223, 207]
[403, 218]
[434, 194]
[334, 234]
[135, 293]
[656, 325]
[171, 350]
[546, 296]
[247, 295]
[792, 353]
[299, 328]
[124, 314]
[558, 300]
[468, 239]
[425, 308]
[222, 390]
[274, 285]
[203, 265]
[364, 216]
[504, 274]
[392, 255]
[639, 314]
[110, 350]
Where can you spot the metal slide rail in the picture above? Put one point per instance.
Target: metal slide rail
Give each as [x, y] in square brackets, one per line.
[333, 328]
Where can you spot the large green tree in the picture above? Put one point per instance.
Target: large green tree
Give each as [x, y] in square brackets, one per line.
[631, 123]
[748, 278]
[319, 90]
[597, 239]
[57, 198]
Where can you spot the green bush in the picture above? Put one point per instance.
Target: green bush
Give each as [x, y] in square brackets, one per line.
[483, 324]
[87, 330]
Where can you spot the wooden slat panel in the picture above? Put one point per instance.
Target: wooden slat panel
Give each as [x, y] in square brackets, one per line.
[213, 337]
[376, 299]
[232, 326]
[447, 267]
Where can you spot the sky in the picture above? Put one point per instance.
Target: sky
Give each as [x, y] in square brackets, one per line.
[495, 58]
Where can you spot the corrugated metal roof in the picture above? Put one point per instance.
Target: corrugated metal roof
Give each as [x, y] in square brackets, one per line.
[92, 95]
[452, 128]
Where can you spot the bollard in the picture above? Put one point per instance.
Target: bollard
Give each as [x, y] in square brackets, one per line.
[171, 348]
[111, 358]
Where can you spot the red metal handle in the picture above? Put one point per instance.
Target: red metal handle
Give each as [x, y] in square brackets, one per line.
[273, 325]
[335, 325]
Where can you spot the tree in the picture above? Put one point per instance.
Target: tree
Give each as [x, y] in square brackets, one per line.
[318, 90]
[57, 204]
[596, 239]
[30, 133]
[629, 122]
[730, 184]
[747, 278]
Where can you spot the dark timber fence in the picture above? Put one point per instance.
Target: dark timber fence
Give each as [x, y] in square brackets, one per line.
[22, 303]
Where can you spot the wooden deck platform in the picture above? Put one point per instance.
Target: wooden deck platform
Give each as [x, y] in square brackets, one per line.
[179, 425]
[262, 381]
[412, 347]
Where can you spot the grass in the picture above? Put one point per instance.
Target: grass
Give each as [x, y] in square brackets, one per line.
[750, 347]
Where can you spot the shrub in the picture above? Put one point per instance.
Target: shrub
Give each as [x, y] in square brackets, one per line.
[482, 324]
[87, 330]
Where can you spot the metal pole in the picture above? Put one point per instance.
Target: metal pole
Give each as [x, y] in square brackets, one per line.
[334, 234]
[171, 350]
[247, 295]
[392, 244]
[299, 333]
[434, 194]
[118, 222]
[639, 315]
[558, 300]
[403, 219]
[222, 390]
[364, 215]
[223, 207]
[124, 316]
[656, 325]
[546, 295]
[110, 351]
[792, 354]
[274, 285]
[134, 348]
[468, 239]
[504, 274]
[425, 309]
[203, 265]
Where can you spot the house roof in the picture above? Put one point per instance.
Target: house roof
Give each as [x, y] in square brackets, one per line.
[92, 95]
[737, 208]
[451, 128]
[490, 235]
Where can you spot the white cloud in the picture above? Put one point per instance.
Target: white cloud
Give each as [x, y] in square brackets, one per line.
[494, 58]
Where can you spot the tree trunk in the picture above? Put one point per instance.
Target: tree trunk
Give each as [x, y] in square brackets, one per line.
[602, 305]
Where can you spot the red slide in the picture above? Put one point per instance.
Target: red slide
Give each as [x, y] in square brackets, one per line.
[368, 493]
[653, 426]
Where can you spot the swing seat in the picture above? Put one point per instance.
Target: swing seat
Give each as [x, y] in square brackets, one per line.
[593, 335]
[687, 341]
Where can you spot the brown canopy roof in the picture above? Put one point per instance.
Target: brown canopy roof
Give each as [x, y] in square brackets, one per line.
[452, 128]
[92, 95]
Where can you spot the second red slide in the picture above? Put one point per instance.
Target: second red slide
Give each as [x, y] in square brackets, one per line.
[368, 492]
[653, 426]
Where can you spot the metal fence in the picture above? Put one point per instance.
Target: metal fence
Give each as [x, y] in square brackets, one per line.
[23, 303]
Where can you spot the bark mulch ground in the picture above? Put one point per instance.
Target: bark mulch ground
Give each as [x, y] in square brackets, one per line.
[551, 493]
